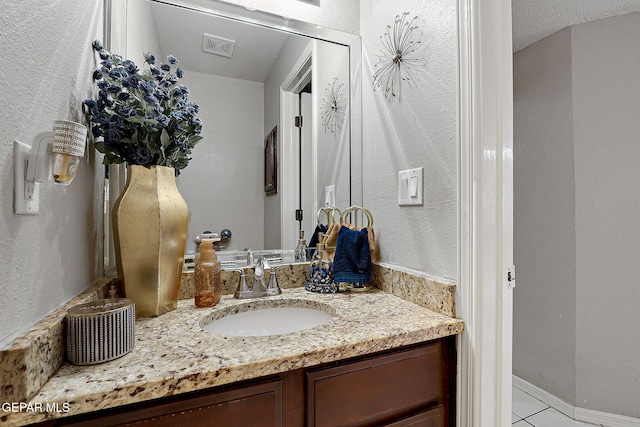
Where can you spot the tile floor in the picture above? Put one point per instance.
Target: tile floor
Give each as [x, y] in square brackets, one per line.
[529, 411]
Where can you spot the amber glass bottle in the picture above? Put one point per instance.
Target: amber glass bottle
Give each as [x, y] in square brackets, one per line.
[206, 277]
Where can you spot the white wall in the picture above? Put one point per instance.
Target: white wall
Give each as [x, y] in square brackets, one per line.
[333, 149]
[47, 63]
[606, 106]
[289, 54]
[585, 122]
[223, 184]
[544, 217]
[418, 131]
[141, 36]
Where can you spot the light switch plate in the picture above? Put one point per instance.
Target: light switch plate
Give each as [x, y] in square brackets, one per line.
[26, 195]
[330, 196]
[411, 187]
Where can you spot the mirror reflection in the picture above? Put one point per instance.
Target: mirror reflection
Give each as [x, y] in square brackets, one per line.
[251, 80]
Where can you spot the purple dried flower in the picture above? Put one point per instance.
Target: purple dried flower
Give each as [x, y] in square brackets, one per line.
[130, 66]
[149, 58]
[134, 109]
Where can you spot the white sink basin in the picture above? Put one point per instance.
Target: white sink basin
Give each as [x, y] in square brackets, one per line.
[264, 321]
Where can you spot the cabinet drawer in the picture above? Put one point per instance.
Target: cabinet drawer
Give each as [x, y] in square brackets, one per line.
[253, 405]
[377, 390]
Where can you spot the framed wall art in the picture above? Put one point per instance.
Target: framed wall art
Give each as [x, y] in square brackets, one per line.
[271, 162]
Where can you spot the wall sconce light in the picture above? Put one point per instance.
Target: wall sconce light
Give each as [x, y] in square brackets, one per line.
[52, 155]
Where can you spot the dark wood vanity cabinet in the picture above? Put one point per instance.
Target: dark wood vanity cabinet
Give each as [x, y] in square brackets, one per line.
[411, 386]
[383, 390]
[256, 404]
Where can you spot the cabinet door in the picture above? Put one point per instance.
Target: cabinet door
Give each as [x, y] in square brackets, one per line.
[378, 390]
[252, 405]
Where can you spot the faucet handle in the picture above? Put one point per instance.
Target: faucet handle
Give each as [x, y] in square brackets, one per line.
[243, 287]
[273, 288]
[249, 257]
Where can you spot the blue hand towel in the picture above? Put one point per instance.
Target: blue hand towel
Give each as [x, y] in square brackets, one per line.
[320, 228]
[352, 261]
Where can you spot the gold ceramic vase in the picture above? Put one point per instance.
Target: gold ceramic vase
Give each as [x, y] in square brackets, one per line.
[150, 221]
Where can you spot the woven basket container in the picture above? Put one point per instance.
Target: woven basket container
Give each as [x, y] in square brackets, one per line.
[100, 330]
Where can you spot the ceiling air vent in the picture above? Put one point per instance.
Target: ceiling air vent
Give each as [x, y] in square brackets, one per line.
[217, 45]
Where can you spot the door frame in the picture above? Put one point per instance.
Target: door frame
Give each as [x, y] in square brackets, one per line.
[485, 213]
[288, 179]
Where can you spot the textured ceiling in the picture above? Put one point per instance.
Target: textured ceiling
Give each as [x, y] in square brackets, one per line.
[256, 50]
[536, 19]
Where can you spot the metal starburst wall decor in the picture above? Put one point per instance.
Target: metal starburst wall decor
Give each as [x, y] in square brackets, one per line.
[333, 106]
[401, 56]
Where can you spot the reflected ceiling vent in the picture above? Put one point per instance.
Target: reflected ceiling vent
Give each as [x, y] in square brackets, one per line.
[218, 45]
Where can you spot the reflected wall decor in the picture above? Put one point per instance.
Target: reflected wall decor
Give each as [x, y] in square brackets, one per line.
[402, 55]
[271, 162]
[333, 106]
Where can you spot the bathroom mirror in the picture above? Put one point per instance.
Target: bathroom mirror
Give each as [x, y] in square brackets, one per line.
[251, 72]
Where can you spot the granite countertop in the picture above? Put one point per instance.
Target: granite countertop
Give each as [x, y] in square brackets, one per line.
[174, 355]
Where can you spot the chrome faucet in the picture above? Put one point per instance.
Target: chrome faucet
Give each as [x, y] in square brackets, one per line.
[259, 285]
[273, 288]
[259, 288]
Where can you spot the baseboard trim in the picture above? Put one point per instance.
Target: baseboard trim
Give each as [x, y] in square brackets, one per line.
[605, 418]
[545, 396]
[580, 414]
